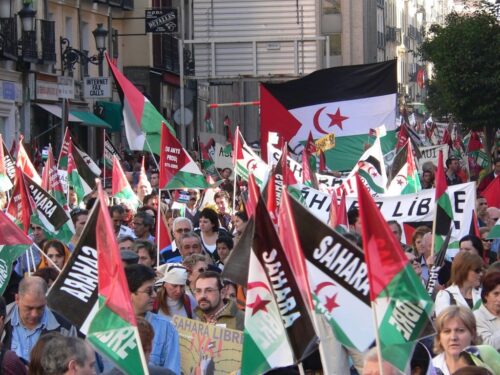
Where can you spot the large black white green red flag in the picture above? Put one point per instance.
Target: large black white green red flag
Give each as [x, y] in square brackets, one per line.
[402, 307]
[113, 331]
[347, 101]
[274, 304]
[337, 277]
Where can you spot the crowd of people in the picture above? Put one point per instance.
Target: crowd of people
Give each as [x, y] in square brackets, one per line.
[185, 279]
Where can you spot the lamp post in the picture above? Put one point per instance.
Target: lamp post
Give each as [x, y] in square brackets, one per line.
[27, 15]
[70, 56]
[100, 34]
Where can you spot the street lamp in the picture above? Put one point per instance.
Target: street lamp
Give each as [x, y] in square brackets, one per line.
[70, 56]
[27, 15]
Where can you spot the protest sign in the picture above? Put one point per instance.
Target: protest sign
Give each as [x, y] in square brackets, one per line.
[204, 346]
[430, 154]
[223, 156]
[409, 209]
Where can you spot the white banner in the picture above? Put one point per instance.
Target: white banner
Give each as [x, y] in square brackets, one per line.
[221, 158]
[406, 209]
[430, 154]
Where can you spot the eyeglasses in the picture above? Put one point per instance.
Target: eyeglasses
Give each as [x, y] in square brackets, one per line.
[415, 261]
[486, 240]
[149, 291]
[205, 291]
[183, 230]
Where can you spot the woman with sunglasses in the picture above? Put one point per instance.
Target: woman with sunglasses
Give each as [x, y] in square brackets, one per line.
[466, 273]
[195, 264]
[489, 256]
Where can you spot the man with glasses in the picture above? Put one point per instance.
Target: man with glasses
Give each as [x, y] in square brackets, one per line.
[144, 226]
[171, 254]
[165, 350]
[212, 307]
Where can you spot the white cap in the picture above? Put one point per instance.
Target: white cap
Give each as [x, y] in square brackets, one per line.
[174, 273]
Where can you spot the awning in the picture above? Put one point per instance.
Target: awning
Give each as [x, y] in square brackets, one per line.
[88, 118]
[112, 114]
[57, 111]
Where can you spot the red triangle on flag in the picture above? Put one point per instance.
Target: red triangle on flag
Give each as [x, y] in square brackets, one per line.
[112, 282]
[383, 254]
[492, 193]
[119, 181]
[10, 234]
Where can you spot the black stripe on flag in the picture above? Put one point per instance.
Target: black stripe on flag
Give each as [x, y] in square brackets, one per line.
[74, 293]
[337, 84]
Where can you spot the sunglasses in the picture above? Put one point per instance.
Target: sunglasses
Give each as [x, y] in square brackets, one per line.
[485, 240]
[183, 230]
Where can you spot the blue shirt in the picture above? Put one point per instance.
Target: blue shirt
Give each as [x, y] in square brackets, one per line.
[165, 350]
[23, 339]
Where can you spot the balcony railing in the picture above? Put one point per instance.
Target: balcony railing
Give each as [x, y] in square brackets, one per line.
[167, 57]
[8, 30]
[28, 43]
[48, 39]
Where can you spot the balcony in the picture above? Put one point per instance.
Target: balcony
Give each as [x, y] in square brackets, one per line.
[8, 28]
[48, 40]
[168, 56]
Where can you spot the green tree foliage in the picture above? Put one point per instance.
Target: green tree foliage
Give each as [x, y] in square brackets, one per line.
[465, 54]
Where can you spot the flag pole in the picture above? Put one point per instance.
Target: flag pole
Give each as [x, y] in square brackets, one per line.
[234, 190]
[160, 217]
[104, 156]
[151, 152]
[377, 339]
[28, 263]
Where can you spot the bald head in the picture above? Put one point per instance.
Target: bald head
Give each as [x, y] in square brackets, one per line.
[33, 285]
[493, 215]
[426, 244]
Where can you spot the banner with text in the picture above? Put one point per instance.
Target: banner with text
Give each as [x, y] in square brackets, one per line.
[208, 349]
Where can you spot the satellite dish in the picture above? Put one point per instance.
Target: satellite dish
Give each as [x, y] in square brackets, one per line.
[188, 97]
[188, 116]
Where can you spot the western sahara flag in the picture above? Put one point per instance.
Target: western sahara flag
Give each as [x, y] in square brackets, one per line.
[120, 187]
[402, 306]
[9, 165]
[246, 161]
[5, 182]
[74, 293]
[346, 101]
[406, 179]
[113, 331]
[13, 243]
[141, 119]
[274, 304]
[177, 169]
[337, 278]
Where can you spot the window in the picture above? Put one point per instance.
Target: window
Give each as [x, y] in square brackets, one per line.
[331, 6]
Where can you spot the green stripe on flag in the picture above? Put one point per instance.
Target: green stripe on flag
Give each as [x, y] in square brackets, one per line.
[253, 361]
[187, 180]
[116, 339]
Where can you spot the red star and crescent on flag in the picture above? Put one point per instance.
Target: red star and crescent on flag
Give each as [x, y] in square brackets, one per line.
[335, 119]
[330, 301]
[258, 304]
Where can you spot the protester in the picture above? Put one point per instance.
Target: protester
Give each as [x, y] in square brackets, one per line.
[427, 181]
[221, 199]
[466, 272]
[30, 314]
[456, 329]
[354, 221]
[57, 252]
[35, 365]
[212, 307]
[49, 274]
[151, 200]
[493, 215]
[192, 209]
[224, 247]
[144, 226]
[125, 242]
[488, 314]
[397, 231]
[146, 253]
[180, 226]
[10, 363]
[240, 220]
[116, 212]
[471, 243]
[172, 298]
[489, 255]
[154, 179]
[372, 365]
[195, 265]
[68, 356]
[482, 211]
[209, 231]
[165, 350]
[452, 168]
[190, 243]
[79, 218]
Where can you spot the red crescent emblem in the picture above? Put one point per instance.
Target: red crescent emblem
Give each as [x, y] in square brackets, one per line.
[316, 121]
